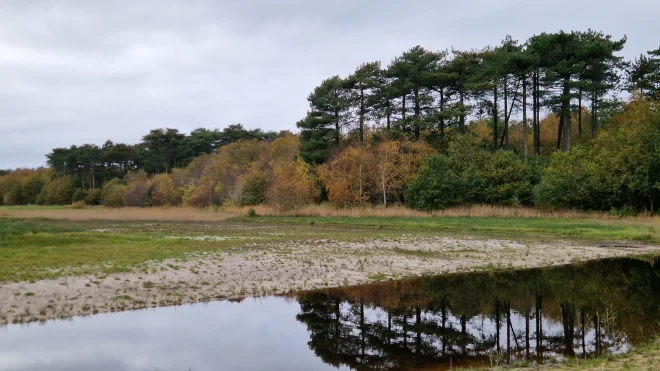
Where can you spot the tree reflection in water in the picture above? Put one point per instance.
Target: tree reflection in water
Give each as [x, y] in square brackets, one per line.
[583, 310]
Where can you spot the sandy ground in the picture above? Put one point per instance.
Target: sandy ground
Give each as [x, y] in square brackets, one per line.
[274, 268]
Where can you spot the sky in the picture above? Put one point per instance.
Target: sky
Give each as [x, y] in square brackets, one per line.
[79, 71]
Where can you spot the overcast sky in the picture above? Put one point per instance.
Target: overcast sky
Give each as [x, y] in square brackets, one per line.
[75, 72]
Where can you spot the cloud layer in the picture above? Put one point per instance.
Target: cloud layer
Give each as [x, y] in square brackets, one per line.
[74, 72]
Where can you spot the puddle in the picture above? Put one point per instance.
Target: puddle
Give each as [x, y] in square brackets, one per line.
[428, 323]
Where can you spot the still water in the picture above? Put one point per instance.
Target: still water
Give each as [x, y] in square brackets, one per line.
[432, 323]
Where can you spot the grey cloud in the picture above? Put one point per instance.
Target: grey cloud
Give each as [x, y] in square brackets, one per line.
[74, 72]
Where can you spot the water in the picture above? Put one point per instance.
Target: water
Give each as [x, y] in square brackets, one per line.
[434, 323]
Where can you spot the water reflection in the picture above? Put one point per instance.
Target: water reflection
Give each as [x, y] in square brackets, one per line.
[429, 323]
[489, 318]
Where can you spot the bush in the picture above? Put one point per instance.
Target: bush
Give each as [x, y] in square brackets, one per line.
[138, 190]
[79, 205]
[58, 192]
[251, 213]
[79, 195]
[507, 180]
[163, 192]
[93, 197]
[293, 186]
[113, 193]
[251, 188]
[436, 186]
[471, 174]
[571, 181]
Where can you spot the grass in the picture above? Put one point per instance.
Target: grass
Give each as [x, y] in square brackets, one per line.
[36, 250]
[32, 249]
[536, 228]
[323, 210]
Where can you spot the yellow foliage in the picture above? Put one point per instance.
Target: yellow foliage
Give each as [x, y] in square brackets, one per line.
[375, 173]
[294, 185]
[163, 192]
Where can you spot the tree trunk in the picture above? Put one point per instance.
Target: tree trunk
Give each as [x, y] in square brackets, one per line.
[336, 126]
[337, 323]
[418, 329]
[495, 114]
[524, 118]
[652, 197]
[461, 123]
[560, 129]
[442, 109]
[506, 107]
[417, 115]
[388, 114]
[536, 119]
[508, 332]
[594, 115]
[382, 178]
[361, 115]
[568, 322]
[362, 335]
[580, 114]
[566, 113]
[497, 324]
[403, 108]
[527, 325]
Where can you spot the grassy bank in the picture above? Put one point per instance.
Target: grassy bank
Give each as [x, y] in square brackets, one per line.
[32, 249]
[538, 228]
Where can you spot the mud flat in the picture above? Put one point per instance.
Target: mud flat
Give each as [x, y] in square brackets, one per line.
[255, 266]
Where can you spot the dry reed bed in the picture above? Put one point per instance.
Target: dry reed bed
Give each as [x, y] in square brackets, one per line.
[174, 214]
[218, 214]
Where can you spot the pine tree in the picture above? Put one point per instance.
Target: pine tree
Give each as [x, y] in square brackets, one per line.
[322, 128]
[363, 86]
[644, 75]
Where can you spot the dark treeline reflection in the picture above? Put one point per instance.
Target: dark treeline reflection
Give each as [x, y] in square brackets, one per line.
[482, 318]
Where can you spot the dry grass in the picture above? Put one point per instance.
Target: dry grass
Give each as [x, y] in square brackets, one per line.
[477, 211]
[126, 213]
[324, 210]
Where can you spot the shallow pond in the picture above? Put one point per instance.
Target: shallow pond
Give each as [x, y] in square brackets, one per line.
[428, 323]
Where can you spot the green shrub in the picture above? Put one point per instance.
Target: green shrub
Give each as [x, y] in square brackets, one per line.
[113, 193]
[79, 195]
[93, 197]
[251, 213]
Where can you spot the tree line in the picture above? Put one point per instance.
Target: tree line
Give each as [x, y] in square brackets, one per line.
[539, 123]
[160, 151]
[424, 93]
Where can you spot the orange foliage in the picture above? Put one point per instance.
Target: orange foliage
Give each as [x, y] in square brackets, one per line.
[293, 186]
[376, 173]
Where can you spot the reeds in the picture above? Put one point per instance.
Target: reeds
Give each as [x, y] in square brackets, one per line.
[323, 210]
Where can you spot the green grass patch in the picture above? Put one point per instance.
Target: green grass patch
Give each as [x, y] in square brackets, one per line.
[32, 250]
[536, 228]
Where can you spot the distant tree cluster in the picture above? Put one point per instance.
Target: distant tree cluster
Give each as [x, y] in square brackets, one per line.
[160, 151]
[532, 124]
[423, 93]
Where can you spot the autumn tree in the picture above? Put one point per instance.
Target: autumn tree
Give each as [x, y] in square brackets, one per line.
[163, 191]
[294, 185]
